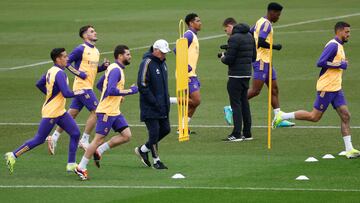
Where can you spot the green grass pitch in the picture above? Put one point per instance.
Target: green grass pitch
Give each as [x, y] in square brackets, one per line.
[215, 171]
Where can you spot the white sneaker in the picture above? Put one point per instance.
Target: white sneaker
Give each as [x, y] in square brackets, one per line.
[84, 144]
[51, 145]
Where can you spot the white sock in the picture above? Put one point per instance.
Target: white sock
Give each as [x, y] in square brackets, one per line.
[83, 163]
[348, 144]
[156, 159]
[55, 136]
[103, 148]
[173, 100]
[286, 116]
[85, 136]
[144, 149]
[276, 111]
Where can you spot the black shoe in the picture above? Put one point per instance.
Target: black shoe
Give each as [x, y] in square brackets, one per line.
[247, 138]
[232, 138]
[159, 165]
[143, 156]
[97, 158]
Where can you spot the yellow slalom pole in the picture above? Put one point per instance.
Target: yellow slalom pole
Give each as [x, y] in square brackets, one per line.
[182, 83]
[270, 93]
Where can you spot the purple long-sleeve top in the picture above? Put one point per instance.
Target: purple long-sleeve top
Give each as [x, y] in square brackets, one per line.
[75, 57]
[60, 85]
[328, 55]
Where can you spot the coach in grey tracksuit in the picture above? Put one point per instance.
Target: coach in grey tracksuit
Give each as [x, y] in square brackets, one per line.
[240, 53]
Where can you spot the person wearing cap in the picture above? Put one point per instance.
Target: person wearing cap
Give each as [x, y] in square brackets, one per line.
[154, 101]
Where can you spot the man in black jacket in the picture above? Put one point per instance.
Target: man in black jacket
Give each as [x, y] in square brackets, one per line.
[154, 101]
[241, 52]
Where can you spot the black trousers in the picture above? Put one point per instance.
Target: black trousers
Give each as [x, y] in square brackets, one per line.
[237, 90]
[158, 129]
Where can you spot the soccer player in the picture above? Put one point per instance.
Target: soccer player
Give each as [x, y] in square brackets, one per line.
[85, 58]
[194, 25]
[108, 111]
[54, 84]
[332, 63]
[154, 101]
[263, 31]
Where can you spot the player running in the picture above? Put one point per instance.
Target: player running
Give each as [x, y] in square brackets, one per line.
[332, 63]
[263, 32]
[108, 111]
[85, 58]
[55, 86]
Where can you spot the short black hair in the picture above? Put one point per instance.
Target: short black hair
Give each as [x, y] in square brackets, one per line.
[190, 17]
[84, 29]
[341, 25]
[273, 6]
[56, 52]
[120, 49]
[229, 21]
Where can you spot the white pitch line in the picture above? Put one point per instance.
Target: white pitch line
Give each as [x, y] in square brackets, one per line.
[203, 38]
[180, 187]
[200, 126]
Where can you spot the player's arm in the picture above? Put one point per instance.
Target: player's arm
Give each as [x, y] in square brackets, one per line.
[328, 55]
[265, 29]
[41, 84]
[75, 57]
[189, 36]
[100, 83]
[113, 78]
[229, 56]
[143, 83]
[254, 52]
[60, 81]
[104, 65]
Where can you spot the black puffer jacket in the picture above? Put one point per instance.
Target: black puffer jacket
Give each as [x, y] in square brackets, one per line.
[241, 51]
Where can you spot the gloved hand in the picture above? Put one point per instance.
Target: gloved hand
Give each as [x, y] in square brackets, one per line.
[134, 89]
[277, 47]
[343, 65]
[82, 75]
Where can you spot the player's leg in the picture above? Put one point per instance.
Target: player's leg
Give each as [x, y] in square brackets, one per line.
[90, 101]
[275, 95]
[344, 115]
[81, 169]
[194, 96]
[323, 99]
[120, 126]
[103, 126]
[339, 103]
[90, 125]
[45, 127]
[69, 125]
[74, 111]
[255, 88]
